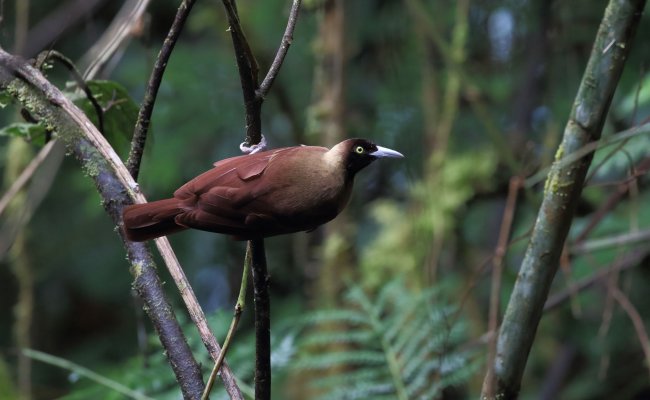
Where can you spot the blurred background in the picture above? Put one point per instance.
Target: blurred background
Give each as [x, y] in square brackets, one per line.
[474, 94]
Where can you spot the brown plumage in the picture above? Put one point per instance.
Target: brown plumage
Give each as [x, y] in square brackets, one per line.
[274, 192]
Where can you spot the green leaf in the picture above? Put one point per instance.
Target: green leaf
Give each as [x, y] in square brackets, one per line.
[397, 343]
[5, 99]
[120, 112]
[34, 133]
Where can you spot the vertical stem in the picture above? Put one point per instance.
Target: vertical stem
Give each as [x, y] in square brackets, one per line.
[262, 321]
[561, 193]
[497, 272]
[146, 110]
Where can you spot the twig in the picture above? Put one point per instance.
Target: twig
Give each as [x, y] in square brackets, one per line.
[122, 27]
[57, 109]
[146, 109]
[25, 175]
[262, 321]
[611, 202]
[53, 25]
[253, 98]
[612, 241]
[628, 261]
[586, 151]
[239, 308]
[562, 191]
[637, 321]
[53, 54]
[197, 315]
[85, 372]
[248, 75]
[287, 39]
[497, 270]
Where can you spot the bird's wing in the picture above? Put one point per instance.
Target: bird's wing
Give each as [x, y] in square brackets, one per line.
[217, 200]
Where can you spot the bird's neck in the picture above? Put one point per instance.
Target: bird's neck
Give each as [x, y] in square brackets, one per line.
[334, 159]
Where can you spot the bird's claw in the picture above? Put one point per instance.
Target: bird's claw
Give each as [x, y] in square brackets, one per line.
[246, 149]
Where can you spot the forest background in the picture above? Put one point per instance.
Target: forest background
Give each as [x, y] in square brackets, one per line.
[475, 94]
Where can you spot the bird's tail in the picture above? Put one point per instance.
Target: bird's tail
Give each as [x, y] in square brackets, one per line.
[151, 220]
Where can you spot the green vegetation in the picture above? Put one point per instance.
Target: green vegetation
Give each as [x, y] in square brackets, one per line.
[389, 301]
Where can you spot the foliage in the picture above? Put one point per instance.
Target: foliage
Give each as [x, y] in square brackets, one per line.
[150, 374]
[406, 225]
[34, 133]
[400, 343]
[119, 111]
[515, 84]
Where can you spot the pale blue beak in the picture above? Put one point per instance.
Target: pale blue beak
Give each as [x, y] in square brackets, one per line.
[382, 152]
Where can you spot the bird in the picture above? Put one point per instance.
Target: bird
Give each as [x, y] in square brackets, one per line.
[254, 196]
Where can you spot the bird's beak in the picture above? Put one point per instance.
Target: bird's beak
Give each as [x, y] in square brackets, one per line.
[385, 152]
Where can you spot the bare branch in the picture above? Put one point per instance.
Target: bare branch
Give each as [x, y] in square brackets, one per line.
[287, 39]
[563, 188]
[25, 176]
[122, 28]
[146, 109]
[115, 183]
[48, 105]
[637, 321]
[495, 291]
[248, 75]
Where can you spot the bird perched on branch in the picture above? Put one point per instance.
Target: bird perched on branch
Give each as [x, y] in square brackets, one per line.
[264, 194]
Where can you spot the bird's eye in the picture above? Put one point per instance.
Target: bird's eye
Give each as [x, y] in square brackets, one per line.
[359, 149]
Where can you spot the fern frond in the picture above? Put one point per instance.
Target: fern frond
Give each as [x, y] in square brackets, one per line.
[397, 344]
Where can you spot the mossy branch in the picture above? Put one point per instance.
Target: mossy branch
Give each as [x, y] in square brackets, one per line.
[116, 187]
[562, 191]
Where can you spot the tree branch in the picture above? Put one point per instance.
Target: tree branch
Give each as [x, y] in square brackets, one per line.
[146, 109]
[46, 103]
[562, 190]
[253, 98]
[80, 135]
[262, 321]
[248, 75]
[287, 39]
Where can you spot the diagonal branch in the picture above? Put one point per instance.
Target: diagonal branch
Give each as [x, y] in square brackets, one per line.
[562, 191]
[48, 105]
[287, 39]
[111, 176]
[146, 109]
[253, 97]
[248, 75]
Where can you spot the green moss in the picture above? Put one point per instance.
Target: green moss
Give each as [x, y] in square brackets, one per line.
[136, 270]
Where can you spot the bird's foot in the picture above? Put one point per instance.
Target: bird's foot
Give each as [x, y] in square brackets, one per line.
[246, 149]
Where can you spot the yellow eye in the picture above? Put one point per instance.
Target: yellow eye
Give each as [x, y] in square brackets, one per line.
[359, 149]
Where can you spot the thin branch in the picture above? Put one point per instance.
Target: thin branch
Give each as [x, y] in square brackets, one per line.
[628, 261]
[52, 26]
[197, 315]
[239, 308]
[146, 109]
[611, 202]
[84, 372]
[586, 151]
[85, 140]
[121, 29]
[287, 39]
[562, 191]
[55, 55]
[253, 97]
[612, 241]
[25, 175]
[495, 291]
[248, 75]
[262, 321]
[637, 321]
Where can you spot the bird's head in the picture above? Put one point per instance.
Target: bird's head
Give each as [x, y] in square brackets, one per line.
[356, 154]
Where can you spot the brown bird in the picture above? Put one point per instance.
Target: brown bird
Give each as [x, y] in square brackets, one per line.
[269, 193]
